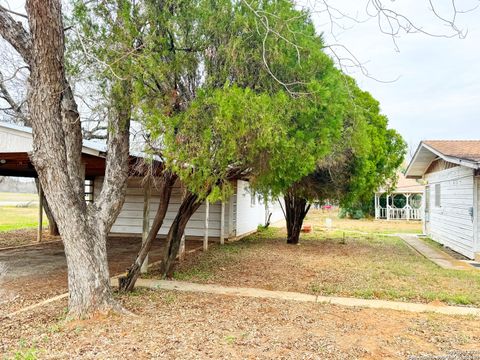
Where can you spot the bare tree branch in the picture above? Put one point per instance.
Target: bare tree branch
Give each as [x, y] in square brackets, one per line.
[13, 12]
[5, 95]
[15, 34]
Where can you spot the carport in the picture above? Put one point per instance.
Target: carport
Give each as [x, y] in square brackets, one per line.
[15, 146]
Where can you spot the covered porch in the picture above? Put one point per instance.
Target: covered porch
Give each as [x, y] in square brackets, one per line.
[405, 202]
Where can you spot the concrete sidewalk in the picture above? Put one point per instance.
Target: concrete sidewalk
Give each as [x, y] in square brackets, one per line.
[437, 256]
[294, 296]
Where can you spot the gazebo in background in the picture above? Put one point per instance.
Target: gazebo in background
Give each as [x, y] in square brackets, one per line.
[405, 202]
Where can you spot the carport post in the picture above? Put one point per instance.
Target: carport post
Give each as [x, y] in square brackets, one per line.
[147, 190]
[205, 237]
[222, 223]
[181, 254]
[40, 212]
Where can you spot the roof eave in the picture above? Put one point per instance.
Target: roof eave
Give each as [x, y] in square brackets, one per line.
[452, 159]
[412, 161]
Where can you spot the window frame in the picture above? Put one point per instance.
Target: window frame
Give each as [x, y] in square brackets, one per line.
[438, 195]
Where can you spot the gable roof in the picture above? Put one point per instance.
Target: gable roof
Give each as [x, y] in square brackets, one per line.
[405, 185]
[460, 152]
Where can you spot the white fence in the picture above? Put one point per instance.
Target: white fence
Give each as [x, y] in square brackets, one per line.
[406, 213]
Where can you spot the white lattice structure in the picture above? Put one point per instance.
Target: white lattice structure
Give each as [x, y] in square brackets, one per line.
[405, 202]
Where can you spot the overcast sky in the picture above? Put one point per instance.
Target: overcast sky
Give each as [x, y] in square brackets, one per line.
[437, 94]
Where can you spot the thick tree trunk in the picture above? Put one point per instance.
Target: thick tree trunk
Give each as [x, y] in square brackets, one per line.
[190, 204]
[127, 283]
[57, 145]
[88, 274]
[296, 208]
[52, 224]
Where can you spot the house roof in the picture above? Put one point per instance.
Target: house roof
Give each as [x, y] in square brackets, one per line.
[460, 152]
[405, 185]
[462, 149]
[16, 142]
[90, 147]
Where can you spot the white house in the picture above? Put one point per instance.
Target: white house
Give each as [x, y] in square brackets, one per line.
[237, 217]
[451, 201]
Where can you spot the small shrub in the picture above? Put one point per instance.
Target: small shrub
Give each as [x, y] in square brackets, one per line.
[25, 353]
[355, 214]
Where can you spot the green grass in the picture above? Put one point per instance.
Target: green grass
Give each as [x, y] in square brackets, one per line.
[366, 266]
[13, 218]
[433, 243]
[25, 352]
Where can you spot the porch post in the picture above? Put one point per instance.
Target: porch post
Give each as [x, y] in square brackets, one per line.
[147, 190]
[407, 206]
[222, 223]
[376, 207]
[40, 213]
[205, 237]
[388, 207]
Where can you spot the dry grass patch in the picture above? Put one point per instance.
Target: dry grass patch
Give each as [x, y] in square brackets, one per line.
[20, 237]
[327, 263]
[318, 218]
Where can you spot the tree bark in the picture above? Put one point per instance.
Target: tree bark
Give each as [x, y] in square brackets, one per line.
[88, 274]
[296, 208]
[57, 146]
[189, 205]
[127, 283]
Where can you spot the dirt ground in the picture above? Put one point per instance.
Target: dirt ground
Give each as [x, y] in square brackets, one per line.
[39, 272]
[23, 237]
[173, 325]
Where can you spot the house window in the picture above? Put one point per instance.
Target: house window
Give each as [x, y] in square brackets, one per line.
[438, 195]
[89, 191]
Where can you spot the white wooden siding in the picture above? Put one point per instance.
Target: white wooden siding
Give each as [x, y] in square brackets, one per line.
[451, 224]
[241, 217]
[248, 216]
[129, 221]
[276, 210]
[477, 217]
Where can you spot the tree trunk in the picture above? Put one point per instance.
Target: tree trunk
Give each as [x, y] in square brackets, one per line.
[52, 224]
[296, 208]
[190, 204]
[127, 282]
[57, 146]
[88, 274]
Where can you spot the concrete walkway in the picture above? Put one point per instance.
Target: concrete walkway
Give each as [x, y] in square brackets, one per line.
[437, 256]
[294, 296]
